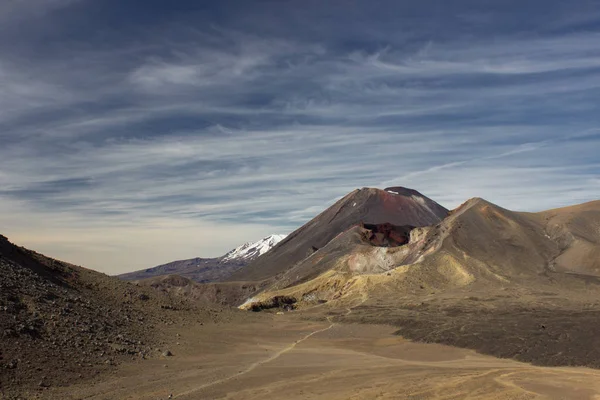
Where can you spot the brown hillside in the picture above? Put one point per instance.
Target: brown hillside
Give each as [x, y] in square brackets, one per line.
[61, 323]
[576, 230]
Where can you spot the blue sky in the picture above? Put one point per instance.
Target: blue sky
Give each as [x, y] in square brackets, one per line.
[137, 132]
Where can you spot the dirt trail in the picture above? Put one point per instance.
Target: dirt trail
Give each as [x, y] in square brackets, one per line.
[257, 364]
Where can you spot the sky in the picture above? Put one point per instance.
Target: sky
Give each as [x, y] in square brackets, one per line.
[133, 133]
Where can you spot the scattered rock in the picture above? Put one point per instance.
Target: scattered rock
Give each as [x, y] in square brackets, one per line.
[284, 302]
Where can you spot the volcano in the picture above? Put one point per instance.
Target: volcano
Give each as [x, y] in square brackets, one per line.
[396, 206]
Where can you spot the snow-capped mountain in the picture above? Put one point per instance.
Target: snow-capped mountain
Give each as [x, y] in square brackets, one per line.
[251, 250]
[210, 269]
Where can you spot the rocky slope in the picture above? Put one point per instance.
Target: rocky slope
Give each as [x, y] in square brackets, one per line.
[61, 323]
[210, 269]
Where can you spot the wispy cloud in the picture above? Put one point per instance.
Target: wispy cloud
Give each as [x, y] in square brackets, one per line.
[184, 138]
[18, 11]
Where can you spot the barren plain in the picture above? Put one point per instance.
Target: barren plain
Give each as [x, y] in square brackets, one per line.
[286, 357]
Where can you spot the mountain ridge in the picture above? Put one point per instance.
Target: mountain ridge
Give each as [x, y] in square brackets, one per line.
[252, 250]
[204, 270]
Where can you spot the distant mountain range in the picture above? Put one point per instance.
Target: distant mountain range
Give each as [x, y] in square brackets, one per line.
[210, 269]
